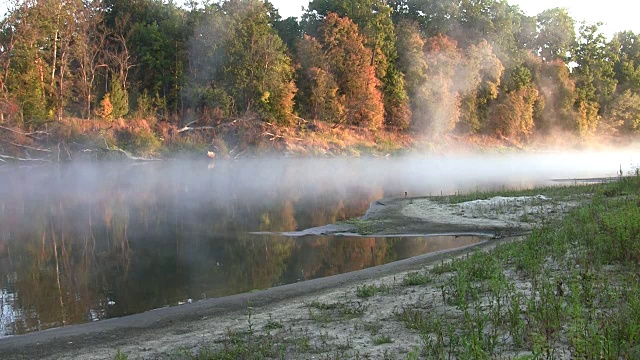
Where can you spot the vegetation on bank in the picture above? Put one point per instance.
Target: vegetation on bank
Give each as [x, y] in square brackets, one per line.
[166, 78]
[570, 289]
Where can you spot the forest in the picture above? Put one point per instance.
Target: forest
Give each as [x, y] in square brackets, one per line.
[140, 73]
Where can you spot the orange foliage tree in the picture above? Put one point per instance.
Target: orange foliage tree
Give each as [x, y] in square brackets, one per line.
[342, 79]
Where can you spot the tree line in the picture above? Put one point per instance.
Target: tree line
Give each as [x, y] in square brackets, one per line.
[428, 66]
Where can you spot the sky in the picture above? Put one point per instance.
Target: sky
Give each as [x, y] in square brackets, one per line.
[617, 15]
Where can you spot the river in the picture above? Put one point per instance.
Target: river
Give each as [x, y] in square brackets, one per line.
[83, 242]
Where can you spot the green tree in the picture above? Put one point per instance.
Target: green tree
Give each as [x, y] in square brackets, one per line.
[594, 76]
[119, 99]
[556, 34]
[238, 55]
[624, 113]
[257, 70]
[89, 53]
[152, 35]
[27, 60]
[627, 65]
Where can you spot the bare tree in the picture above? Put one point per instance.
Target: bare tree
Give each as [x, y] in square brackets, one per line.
[119, 55]
[90, 52]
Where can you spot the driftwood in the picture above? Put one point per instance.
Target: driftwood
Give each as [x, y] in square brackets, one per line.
[22, 159]
[188, 127]
[129, 155]
[125, 153]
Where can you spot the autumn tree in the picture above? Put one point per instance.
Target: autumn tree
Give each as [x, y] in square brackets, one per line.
[513, 116]
[350, 63]
[373, 18]
[559, 93]
[439, 98]
[514, 112]
[319, 95]
[484, 72]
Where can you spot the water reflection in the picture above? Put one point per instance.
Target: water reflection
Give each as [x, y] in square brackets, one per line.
[63, 273]
[80, 243]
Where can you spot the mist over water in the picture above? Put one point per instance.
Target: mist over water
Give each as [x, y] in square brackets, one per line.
[86, 241]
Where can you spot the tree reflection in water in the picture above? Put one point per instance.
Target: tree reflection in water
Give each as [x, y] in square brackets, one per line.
[117, 240]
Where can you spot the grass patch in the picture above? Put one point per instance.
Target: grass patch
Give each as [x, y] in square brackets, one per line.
[553, 191]
[416, 278]
[366, 290]
[364, 227]
[381, 340]
[328, 312]
[273, 325]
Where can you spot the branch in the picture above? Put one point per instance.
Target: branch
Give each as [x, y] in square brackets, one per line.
[274, 136]
[29, 147]
[24, 134]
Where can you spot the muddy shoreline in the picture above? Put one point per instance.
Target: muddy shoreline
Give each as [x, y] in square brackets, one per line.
[155, 333]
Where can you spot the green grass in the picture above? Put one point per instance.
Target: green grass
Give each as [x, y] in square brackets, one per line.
[381, 340]
[573, 304]
[365, 227]
[120, 356]
[553, 191]
[367, 290]
[330, 312]
[416, 278]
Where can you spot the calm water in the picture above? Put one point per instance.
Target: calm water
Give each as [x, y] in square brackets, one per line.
[85, 242]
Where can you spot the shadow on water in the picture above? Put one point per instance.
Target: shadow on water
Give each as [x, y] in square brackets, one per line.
[80, 243]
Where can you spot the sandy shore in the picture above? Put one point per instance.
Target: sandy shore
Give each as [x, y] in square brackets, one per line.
[319, 316]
